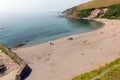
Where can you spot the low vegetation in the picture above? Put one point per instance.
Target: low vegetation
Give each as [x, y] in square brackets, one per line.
[97, 4]
[84, 13]
[11, 54]
[110, 71]
[113, 12]
[84, 10]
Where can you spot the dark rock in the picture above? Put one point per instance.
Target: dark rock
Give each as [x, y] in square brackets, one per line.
[2, 68]
[60, 16]
[2, 28]
[71, 38]
[19, 45]
[101, 32]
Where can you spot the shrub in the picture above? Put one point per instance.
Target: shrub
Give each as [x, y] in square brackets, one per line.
[84, 13]
[113, 12]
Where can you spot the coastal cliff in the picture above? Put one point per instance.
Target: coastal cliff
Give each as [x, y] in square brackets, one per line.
[95, 9]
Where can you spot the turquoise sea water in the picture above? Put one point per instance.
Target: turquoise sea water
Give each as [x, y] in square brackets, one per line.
[38, 28]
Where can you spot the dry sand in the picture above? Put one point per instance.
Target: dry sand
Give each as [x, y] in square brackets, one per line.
[69, 58]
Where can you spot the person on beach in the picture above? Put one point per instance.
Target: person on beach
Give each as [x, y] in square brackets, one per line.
[70, 38]
[51, 43]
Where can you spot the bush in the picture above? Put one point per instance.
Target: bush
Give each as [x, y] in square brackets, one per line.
[84, 13]
[113, 12]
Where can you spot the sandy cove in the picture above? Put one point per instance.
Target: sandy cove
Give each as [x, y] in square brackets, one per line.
[69, 58]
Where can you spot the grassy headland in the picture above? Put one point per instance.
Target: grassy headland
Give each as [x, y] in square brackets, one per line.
[96, 9]
[97, 4]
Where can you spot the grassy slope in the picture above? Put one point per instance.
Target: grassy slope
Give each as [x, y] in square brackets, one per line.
[12, 55]
[84, 10]
[97, 3]
[110, 71]
[113, 12]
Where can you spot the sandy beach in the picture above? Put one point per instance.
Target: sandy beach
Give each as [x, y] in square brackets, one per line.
[67, 59]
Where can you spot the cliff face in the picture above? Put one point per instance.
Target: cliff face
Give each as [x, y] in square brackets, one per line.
[98, 13]
[86, 13]
[95, 9]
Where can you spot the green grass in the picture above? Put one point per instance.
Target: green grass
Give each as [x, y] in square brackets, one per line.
[110, 71]
[11, 54]
[97, 4]
[113, 12]
[84, 13]
[84, 10]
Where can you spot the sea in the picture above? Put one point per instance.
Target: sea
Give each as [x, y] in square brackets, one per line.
[37, 28]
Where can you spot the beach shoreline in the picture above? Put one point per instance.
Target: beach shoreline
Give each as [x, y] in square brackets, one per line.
[67, 59]
[93, 23]
[23, 45]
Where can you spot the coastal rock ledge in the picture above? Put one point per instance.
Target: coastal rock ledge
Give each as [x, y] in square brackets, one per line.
[14, 67]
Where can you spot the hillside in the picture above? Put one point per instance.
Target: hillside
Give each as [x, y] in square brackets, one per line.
[95, 9]
[97, 4]
[110, 71]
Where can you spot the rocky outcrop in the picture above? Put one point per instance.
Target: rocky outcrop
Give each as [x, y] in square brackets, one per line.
[94, 13]
[70, 13]
[19, 45]
[98, 13]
